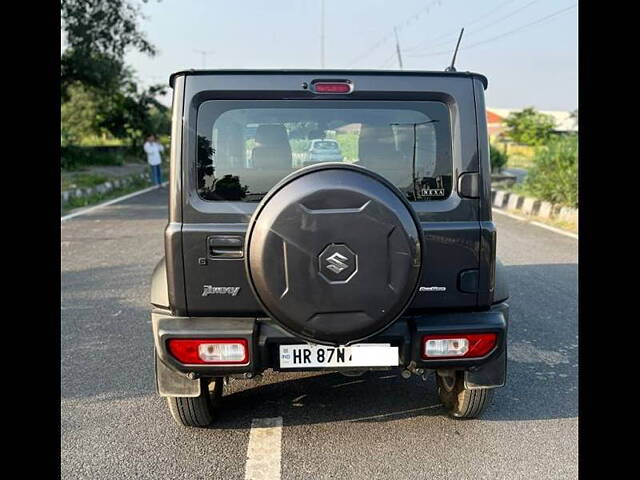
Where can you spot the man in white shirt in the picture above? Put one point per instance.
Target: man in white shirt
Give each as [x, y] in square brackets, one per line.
[153, 148]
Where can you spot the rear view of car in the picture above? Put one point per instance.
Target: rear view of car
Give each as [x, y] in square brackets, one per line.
[323, 151]
[381, 259]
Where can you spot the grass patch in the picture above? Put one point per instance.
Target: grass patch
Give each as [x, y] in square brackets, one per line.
[82, 180]
[75, 202]
[568, 226]
[75, 158]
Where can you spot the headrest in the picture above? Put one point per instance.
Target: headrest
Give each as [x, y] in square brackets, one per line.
[376, 146]
[272, 148]
[271, 136]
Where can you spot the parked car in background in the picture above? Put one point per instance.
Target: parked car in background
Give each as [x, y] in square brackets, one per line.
[323, 150]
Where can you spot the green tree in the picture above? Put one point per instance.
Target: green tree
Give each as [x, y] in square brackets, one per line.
[98, 33]
[530, 127]
[99, 91]
[79, 116]
[132, 114]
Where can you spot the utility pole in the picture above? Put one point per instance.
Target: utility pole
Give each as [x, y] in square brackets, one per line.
[395, 31]
[321, 33]
[204, 54]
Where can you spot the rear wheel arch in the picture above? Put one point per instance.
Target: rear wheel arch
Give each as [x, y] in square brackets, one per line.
[160, 285]
[501, 290]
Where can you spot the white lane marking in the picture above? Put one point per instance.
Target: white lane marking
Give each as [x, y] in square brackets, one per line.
[110, 202]
[537, 224]
[264, 449]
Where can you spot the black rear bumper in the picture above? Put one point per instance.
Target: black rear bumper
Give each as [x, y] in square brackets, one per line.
[264, 337]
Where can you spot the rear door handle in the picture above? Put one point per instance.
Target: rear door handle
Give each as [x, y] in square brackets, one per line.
[225, 246]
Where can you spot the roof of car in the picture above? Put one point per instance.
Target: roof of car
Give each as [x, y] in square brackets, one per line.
[479, 76]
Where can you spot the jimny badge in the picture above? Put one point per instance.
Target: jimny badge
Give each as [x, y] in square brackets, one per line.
[211, 290]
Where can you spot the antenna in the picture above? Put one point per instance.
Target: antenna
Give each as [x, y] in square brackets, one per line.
[451, 67]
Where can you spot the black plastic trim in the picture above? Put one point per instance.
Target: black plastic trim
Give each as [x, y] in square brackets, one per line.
[341, 73]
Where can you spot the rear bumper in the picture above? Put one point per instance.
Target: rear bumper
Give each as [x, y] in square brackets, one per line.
[264, 337]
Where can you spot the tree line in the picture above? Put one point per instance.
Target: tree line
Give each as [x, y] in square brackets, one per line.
[100, 96]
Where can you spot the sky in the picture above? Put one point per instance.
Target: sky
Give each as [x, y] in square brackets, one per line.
[526, 48]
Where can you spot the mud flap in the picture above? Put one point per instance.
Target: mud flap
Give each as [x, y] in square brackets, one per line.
[490, 375]
[170, 383]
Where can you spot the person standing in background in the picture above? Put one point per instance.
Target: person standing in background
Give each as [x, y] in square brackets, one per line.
[153, 148]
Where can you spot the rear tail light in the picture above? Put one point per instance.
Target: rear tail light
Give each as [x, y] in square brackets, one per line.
[458, 345]
[332, 87]
[221, 351]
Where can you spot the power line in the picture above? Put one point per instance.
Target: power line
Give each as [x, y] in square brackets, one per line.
[467, 24]
[406, 22]
[497, 37]
[491, 24]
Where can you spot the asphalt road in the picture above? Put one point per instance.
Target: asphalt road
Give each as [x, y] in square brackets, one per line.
[375, 426]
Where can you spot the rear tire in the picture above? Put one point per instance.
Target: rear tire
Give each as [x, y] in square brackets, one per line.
[197, 411]
[462, 402]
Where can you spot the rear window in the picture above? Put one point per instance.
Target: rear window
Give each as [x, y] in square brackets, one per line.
[246, 147]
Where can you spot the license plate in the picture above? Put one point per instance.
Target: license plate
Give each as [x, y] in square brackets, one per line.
[359, 355]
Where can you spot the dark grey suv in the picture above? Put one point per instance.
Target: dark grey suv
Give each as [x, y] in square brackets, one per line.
[385, 260]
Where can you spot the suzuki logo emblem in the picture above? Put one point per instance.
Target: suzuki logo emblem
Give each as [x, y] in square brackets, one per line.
[336, 263]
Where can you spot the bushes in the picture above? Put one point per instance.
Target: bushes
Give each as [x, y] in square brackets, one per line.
[73, 156]
[299, 145]
[498, 159]
[554, 176]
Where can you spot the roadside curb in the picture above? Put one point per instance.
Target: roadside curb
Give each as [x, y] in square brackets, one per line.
[532, 208]
[91, 208]
[106, 187]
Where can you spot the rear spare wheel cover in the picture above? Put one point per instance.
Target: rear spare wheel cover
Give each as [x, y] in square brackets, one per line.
[333, 253]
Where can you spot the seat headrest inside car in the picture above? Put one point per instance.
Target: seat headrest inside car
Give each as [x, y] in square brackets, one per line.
[376, 146]
[272, 148]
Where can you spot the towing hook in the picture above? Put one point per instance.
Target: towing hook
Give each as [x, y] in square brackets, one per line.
[411, 369]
